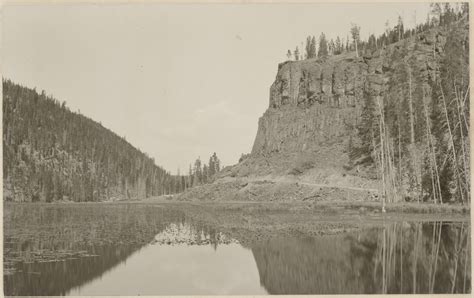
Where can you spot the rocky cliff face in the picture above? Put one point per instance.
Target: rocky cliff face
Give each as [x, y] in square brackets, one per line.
[311, 102]
[316, 103]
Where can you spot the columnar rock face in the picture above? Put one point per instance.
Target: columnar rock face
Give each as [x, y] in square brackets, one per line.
[318, 101]
[311, 102]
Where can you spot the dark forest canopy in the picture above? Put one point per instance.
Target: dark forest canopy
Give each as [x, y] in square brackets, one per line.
[51, 153]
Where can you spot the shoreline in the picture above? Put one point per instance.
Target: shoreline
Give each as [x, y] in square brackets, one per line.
[327, 207]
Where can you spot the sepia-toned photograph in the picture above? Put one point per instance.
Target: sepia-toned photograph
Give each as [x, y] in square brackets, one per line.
[239, 148]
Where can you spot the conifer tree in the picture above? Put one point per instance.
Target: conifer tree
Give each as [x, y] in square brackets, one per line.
[313, 47]
[372, 43]
[400, 29]
[332, 47]
[296, 53]
[338, 46]
[308, 47]
[197, 172]
[355, 33]
[323, 46]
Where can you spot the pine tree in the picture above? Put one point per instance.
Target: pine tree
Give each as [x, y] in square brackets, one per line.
[436, 10]
[214, 165]
[308, 47]
[198, 179]
[332, 47]
[399, 28]
[205, 174]
[355, 32]
[323, 46]
[338, 46]
[372, 43]
[296, 53]
[211, 167]
[313, 47]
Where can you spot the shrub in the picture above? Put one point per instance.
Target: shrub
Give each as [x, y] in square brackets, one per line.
[301, 166]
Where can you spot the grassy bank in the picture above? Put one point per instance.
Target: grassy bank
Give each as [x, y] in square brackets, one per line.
[294, 194]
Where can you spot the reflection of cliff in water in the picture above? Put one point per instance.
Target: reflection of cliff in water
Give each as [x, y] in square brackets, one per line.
[395, 258]
[306, 266]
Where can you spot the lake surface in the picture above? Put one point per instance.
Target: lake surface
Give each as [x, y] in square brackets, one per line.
[154, 250]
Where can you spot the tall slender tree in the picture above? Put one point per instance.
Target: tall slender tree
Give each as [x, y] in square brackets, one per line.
[355, 33]
[296, 53]
[323, 46]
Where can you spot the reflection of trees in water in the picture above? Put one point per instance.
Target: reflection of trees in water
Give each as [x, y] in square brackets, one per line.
[57, 278]
[38, 233]
[113, 232]
[396, 258]
[417, 258]
[192, 234]
[72, 226]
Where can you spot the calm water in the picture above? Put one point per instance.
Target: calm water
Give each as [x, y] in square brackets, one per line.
[129, 251]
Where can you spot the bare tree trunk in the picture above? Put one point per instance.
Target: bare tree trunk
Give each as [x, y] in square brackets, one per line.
[457, 244]
[463, 104]
[401, 259]
[413, 152]
[357, 50]
[466, 255]
[435, 259]
[433, 241]
[393, 173]
[410, 107]
[384, 260]
[466, 172]
[455, 164]
[419, 236]
[399, 154]
[432, 152]
[382, 154]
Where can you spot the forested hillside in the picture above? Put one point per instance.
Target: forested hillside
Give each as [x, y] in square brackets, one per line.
[51, 153]
[416, 132]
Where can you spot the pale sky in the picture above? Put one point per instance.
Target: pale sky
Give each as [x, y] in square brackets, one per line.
[177, 80]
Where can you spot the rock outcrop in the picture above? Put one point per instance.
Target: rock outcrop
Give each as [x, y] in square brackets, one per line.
[316, 103]
[311, 102]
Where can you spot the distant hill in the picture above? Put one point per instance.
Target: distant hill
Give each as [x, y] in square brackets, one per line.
[51, 153]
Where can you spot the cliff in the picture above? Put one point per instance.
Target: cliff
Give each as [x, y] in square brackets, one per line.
[317, 103]
[319, 136]
[315, 106]
[322, 125]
